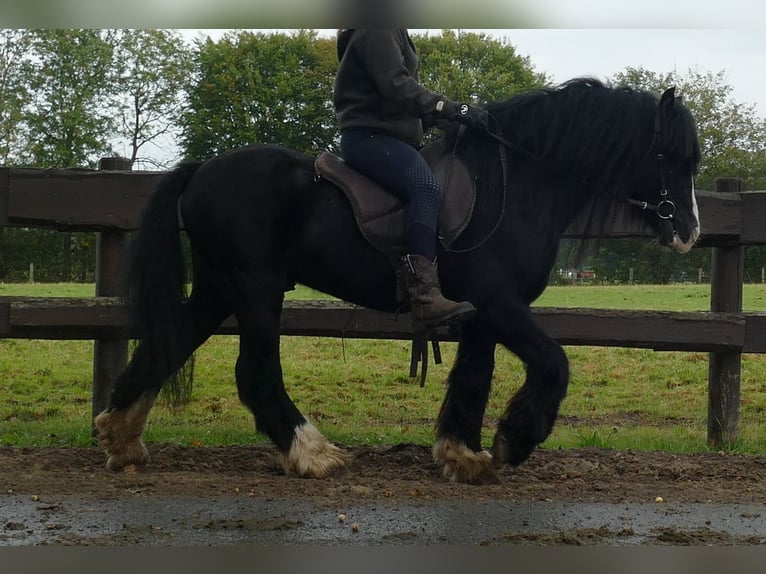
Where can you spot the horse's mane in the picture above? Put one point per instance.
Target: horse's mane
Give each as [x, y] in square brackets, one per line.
[582, 136]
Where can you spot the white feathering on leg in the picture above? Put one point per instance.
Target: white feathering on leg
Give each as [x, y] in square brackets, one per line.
[311, 456]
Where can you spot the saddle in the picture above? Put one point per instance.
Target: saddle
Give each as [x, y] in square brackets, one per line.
[381, 215]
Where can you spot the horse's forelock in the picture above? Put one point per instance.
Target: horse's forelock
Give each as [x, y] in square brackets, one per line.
[682, 138]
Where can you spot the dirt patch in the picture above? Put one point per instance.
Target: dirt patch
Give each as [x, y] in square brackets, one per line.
[585, 475]
[233, 495]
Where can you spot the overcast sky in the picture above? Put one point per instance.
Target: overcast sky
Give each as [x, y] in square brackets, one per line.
[565, 53]
[600, 38]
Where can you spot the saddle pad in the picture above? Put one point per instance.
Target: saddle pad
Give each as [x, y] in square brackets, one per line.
[381, 215]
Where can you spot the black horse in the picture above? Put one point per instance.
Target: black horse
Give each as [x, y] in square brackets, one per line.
[258, 222]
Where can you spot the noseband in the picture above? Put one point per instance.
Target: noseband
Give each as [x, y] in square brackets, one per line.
[665, 209]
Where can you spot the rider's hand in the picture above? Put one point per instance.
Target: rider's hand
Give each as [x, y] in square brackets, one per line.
[471, 116]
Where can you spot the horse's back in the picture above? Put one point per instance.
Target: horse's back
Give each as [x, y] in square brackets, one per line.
[246, 197]
[253, 167]
[261, 177]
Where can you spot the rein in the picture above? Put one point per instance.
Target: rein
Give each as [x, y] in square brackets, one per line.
[504, 168]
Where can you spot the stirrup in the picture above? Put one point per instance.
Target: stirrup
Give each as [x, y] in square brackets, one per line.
[419, 353]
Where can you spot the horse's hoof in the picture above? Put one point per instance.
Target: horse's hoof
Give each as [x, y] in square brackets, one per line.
[136, 454]
[507, 450]
[312, 456]
[464, 465]
[122, 442]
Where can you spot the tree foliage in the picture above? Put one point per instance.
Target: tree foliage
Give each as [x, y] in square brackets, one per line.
[71, 79]
[474, 68]
[152, 67]
[271, 88]
[732, 135]
[15, 92]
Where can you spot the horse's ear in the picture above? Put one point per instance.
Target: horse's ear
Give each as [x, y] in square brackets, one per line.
[667, 99]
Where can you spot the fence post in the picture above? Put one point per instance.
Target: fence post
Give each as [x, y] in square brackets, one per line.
[726, 279]
[110, 356]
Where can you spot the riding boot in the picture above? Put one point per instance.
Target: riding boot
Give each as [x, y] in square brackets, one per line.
[429, 308]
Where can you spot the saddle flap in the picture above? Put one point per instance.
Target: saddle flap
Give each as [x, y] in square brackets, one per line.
[381, 215]
[459, 190]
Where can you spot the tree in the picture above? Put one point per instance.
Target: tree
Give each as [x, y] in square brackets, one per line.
[474, 68]
[71, 80]
[271, 88]
[14, 93]
[277, 88]
[66, 123]
[152, 66]
[732, 136]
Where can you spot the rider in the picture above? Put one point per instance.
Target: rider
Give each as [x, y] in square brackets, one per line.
[381, 108]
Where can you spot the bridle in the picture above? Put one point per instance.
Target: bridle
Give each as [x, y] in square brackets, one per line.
[665, 208]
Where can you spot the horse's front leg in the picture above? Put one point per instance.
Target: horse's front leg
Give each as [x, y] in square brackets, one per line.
[458, 436]
[305, 451]
[532, 411]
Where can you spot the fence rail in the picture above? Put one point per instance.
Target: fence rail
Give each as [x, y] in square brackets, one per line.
[109, 201]
[93, 318]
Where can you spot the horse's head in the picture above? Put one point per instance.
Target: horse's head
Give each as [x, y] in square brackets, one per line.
[665, 187]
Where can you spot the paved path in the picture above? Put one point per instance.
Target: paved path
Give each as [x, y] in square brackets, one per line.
[219, 521]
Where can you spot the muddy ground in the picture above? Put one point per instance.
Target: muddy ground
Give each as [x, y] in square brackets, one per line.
[390, 495]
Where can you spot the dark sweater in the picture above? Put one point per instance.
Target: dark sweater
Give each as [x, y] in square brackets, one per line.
[377, 84]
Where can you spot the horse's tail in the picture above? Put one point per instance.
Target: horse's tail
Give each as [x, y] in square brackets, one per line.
[157, 280]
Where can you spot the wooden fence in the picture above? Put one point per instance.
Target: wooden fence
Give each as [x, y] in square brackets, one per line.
[109, 201]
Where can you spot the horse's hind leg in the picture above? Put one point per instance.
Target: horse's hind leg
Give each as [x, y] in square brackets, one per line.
[261, 388]
[458, 433]
[120, 427]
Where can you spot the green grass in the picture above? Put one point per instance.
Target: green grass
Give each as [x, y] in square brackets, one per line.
[358, 392]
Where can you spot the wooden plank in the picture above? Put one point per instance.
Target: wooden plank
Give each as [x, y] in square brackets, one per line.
[92, 318]
[66, 318]
[81, 200]
[658, 330]
[623, 221]
[101, 200]
[4, 196]
[5, 318]
[755, 333]
[720, 217]
[753, 217]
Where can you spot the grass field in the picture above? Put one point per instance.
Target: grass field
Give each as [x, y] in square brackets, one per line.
[358, 392]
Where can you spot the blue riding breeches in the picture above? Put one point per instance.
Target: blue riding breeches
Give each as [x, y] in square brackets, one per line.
[400, 168]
